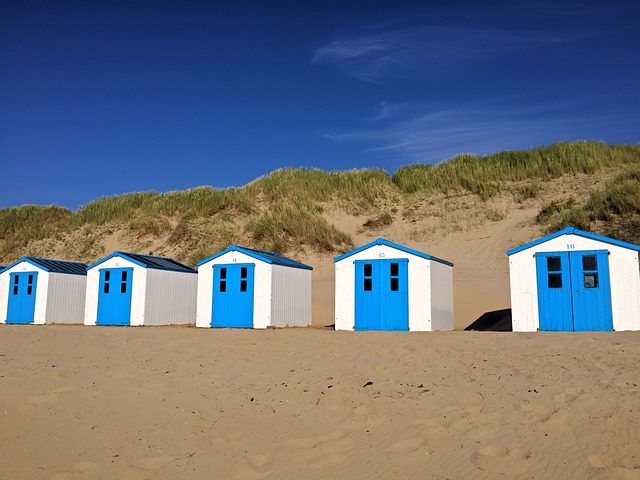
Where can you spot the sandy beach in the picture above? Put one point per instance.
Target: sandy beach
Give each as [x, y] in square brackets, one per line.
[179, 402]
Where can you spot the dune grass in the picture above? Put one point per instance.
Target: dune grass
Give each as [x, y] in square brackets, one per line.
[282, 211]
[485, 175]
[614, 211]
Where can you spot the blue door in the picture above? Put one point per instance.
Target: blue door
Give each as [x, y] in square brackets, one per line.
[574, 293]
[381, 295]
[114, 297]
[22, 297]
[233, 295]
[591, 291]
[555, 308]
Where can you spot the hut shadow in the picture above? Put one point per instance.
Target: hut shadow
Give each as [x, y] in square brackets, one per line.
[495, 321]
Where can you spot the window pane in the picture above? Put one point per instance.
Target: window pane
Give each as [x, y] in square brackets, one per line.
[555, 280]
[106, 288]
[243, 272]
[124, 275]
[394, 284]
[123, 287]
[394, 269]
[589, 262]
[223, 286]
[30, 279]
[243, 285]
[29, 290]
[15, 290]
[368, 268]
[553, 264]
[223, 273]
[107, 275]
[367, 284]
[590, 280]
[16, 279]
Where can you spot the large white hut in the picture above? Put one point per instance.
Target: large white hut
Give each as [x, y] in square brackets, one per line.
[246, 288]
[134, 289]
[39, 290]
[386, 286]
[573, 280]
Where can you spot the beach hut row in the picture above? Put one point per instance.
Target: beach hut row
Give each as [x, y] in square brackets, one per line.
[568, 281]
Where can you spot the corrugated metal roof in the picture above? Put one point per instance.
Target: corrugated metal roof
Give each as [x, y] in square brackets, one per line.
[269, 257]
[149, 261]
[54, 266]
[574, 231]
[402, 248]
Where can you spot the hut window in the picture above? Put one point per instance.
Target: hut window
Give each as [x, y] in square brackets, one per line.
[589, 262]
[393, 269]
[15, 284]
[223, 273]
[394, 284]
[554, 269]
[367, 269]
[243, 272]
[590, 271]
[243, 285]
[107, 275]
[223, 286]
[106, 287]
[124, 275]
[367, 285]
[30, 285]
[590, 280]
[555, 280]
[123, 287]
[553, 264]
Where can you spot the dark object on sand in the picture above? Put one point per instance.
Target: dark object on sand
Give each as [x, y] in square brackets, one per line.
[496, 321]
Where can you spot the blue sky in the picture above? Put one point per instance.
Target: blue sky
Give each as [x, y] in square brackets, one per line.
[104, 97]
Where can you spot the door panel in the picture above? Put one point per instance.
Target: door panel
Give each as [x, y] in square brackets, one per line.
[381, 295]
[233, 290]
[114, 297]
[574, 292]
[591, 291]
[554, 291]
[22, 297]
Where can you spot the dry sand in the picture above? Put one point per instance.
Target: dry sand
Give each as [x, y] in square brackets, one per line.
[179, 402]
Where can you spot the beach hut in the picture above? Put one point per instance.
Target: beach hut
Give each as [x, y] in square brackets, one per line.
[386, 286]
[246, 288]
[134, 289]
[573, 280]
[40, 290]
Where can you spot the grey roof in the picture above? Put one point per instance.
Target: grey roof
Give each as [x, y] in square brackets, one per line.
[54, 266]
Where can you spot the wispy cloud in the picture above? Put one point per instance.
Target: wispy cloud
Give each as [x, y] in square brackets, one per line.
[419, 51]
[432, 136]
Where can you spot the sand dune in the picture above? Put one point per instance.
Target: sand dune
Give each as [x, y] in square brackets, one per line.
[180, 402]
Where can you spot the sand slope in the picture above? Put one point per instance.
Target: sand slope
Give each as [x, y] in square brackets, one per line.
[178, 402]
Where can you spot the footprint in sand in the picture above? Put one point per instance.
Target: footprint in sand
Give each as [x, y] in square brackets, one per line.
[152, 463]
[500, 459]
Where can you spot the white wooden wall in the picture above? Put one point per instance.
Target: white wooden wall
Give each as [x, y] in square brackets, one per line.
[623, 270]
[170, 297]
[442, 316]
[65, 298]
[291, 298]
